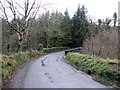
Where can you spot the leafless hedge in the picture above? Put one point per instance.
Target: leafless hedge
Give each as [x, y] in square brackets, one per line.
[103, 44]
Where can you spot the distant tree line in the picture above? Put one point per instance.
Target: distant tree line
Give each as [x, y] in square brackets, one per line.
[108, 20]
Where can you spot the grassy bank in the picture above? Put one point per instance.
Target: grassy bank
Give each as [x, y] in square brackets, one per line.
[10, 62]
[105, 68]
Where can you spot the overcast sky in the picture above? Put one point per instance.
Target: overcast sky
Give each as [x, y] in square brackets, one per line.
[96, 8]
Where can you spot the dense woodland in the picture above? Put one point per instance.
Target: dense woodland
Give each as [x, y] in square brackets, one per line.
[48, 30]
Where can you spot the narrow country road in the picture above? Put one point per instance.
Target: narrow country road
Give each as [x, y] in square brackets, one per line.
[50, 71]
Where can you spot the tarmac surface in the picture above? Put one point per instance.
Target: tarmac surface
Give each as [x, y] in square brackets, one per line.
[50, 71]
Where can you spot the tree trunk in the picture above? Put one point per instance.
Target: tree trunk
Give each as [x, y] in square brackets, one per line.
[22, 40]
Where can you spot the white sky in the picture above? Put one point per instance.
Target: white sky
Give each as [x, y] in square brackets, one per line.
[96, 8]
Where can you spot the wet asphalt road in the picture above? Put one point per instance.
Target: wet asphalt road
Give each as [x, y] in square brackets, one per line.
[50, 71]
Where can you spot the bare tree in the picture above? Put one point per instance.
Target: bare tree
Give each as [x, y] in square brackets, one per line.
[26, 12]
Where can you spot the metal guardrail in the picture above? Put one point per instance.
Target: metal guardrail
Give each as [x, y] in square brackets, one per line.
[73, 50]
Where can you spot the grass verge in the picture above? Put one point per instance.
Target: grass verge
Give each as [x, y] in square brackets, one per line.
[10, 62]
[105, 68]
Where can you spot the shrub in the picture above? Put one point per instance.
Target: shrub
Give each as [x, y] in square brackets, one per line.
[40, 47]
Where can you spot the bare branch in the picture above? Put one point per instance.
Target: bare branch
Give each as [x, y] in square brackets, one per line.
[26, 8]
[37, 9]
[12, 8]
[19, 5]
[4, 11]
[31, 8]
[19, 12]
[34, 13]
